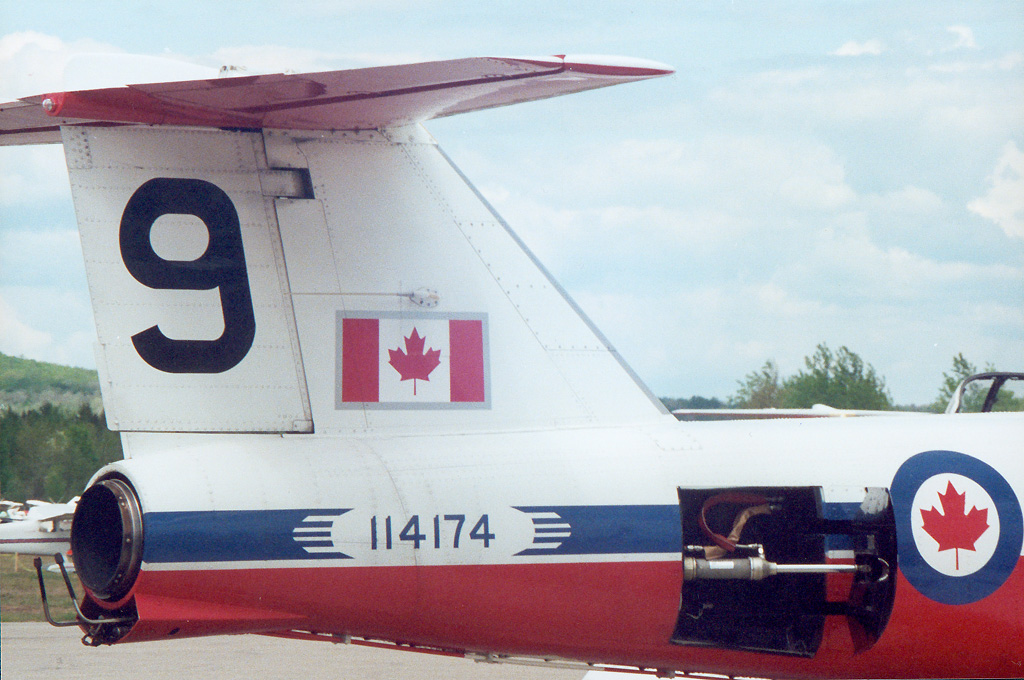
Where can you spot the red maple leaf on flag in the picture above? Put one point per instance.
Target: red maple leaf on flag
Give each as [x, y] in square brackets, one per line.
[953, 528]
[414, 364]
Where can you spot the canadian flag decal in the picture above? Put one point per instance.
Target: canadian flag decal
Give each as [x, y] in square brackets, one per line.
[416, 360]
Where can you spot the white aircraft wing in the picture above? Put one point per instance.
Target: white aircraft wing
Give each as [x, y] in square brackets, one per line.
[30, 537]
[42, 511]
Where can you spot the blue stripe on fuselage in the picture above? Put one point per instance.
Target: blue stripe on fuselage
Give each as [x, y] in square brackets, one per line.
[235, 535]
[605, 529]
[306, 534]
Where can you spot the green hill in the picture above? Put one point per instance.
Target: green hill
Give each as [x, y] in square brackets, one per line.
[52, 433]
[26, 384]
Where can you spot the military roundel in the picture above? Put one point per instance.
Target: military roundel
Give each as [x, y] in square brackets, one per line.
[958, 526]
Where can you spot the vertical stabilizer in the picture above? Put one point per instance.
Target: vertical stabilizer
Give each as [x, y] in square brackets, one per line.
[344, 282]
[293, 253]
[186, 274]
[406, 285]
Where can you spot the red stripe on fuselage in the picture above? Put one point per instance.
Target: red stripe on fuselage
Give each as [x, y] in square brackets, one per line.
[621, 613]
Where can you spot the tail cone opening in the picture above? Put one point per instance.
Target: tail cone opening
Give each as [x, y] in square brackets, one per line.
[106, 539]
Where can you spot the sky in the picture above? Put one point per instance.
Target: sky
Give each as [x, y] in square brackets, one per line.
[842, 172]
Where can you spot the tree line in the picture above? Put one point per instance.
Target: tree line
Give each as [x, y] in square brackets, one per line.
[53, 436]
[49, 453]
[840, 379]
[26, 384]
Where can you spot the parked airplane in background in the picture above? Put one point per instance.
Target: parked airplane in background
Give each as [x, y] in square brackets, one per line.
[42, 529]
[355, 408]
[10, 511]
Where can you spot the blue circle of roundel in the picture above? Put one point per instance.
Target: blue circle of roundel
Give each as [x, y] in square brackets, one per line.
[928, 581]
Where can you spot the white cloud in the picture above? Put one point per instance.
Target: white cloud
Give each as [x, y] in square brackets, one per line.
[33, 63]
[325, 8]
[851, 268]
[47, 324]
[279, 59]
[44, 302]
[855, 49]
[18, 338]
[703, 338]
[1004, 202]
[667, 212]
[925, 96]
[908, 200]
[33, 173]
[964, 38]
[1007, 62]
[45, 257]
[89, 71]
[884, 303]
[36, 63]
[750, 170]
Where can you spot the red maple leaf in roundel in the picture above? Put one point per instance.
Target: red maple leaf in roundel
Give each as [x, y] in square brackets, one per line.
[414, 364]
[953, 528]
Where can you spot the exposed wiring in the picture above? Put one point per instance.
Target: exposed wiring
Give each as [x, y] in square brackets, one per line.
[756, 505]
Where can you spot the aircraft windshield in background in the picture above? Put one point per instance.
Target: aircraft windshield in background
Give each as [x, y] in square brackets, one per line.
[987, 392]
[354, 407]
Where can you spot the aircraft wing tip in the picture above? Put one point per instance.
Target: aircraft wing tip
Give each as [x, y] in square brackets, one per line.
[602, 64]
[357, 98]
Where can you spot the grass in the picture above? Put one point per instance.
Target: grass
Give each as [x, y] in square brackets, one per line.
[19, 591]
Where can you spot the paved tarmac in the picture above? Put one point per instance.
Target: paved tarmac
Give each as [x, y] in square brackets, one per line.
[31, 651]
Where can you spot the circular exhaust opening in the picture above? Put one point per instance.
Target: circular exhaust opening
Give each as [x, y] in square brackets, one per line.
[106, 538]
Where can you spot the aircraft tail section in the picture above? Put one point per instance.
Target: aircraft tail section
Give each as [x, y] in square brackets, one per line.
[337, 281]
[289, 281]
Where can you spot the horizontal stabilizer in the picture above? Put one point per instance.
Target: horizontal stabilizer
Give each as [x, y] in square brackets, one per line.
[247, 276]
[357, 99]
